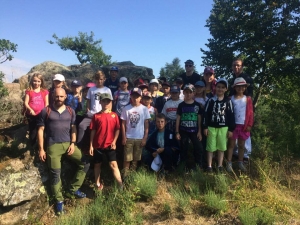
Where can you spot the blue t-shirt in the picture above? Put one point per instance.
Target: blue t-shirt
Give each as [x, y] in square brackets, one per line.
[73, 102]
[112, 85]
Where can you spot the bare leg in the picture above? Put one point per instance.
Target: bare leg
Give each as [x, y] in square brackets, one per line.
[134, 165]
[126, 166]
[230, 147]
[241, 149]
[220, 158]
[97, 171]
[209, 158]
[116, 171]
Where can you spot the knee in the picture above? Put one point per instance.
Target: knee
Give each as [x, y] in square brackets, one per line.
[113, 165]
[55, 176]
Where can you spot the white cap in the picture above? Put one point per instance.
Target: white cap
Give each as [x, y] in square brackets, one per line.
[59, 77]
[122, 79]
[154, 81]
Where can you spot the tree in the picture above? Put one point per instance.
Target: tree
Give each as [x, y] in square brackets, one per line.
[171, 70]
[6, 47]
[86, 49]
[265, 34]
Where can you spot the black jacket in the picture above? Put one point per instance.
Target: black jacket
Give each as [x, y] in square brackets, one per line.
[160, 102]
[247, 78]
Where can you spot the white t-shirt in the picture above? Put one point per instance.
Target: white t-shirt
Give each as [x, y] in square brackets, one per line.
[170, 108]
[94, 96]
[239, 108]
[135, 117]
[181, 95]
[202, 101]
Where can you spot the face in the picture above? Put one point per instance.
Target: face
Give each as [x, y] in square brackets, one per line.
[99, 81]
[59, 97]
[113, 74]
[144, 90]
[189, 67]
[57, 84]
[146, 101]
[220, 89]
[160, 123]
[36, 82]
[153, 87]
[237, 67]
[106, 104]
[123, 85]
[135, 99]
[188, 94]
[199, 89]
[174, 96]
[240, 89]
[76, 89]
[209, 77]
[166, 89]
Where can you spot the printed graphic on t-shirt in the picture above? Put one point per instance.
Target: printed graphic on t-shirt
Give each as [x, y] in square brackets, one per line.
[134, 118]
[97, 96]
[189, 116]
[218, 113]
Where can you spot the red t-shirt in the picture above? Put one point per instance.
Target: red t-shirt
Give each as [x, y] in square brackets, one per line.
[105, 125]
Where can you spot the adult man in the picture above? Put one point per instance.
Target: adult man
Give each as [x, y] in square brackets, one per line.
[189, 77]
[59, 121]
[112, 82]
[237, 69]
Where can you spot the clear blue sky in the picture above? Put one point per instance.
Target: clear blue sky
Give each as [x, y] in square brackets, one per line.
[148, 33]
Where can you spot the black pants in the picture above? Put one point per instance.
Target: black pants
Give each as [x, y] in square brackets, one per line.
[32, 120]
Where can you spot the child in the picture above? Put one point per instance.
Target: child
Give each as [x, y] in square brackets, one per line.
[179, 83]
[58, 82]
[121, 96]
[93, 104]
[144, 88]
[36, 98]
[112, 82]
[134, 130]
[105, 129]
[163, 143]
[218, 124]
[146, 101]
[170, 108]
[153, 88]
[200, 95]
[188, 126]
[160, 101]
[74, 98]
[243, 112]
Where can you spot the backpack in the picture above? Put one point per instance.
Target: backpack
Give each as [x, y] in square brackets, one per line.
[48, 111]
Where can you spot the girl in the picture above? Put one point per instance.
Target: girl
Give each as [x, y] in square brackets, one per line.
[200, 94]
[36, 98]
[243, 112]
[58, 82]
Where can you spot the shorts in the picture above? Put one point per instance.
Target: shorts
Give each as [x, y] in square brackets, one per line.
[110, 155]
[216, 139]
[133, 150]
[238, 132]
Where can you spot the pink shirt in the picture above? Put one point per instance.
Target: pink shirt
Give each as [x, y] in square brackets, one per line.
[37, 100]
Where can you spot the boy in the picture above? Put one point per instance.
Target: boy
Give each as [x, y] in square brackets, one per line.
[163, 143]
[179, 83]
[121, 96]
[218, 124]
[134, 130]
[170, 108]
[74, 98]
[160, 101]
[188, 126]
[153, 88]
[146, 101]
[93, 104]
[105, 129]
[112, 82]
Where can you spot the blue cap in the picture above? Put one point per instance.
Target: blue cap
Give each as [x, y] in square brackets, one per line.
[223, 81]
[200, 83]
[174, 88]
[76, 83]
[114, 68]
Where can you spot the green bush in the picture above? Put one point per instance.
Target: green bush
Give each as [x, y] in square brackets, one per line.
[257, 215]
[182, 198]
[215, 202]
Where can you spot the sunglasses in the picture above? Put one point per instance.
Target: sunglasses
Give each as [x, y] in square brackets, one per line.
[188, 65]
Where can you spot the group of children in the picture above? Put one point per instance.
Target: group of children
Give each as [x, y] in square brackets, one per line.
[161, 122]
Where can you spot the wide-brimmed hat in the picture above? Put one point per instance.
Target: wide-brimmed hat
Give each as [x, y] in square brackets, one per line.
[239, 82]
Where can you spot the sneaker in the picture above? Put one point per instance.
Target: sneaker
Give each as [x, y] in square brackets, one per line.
[209, 170]
[79, 194]
[229, 167]
[59, 208]
[242, 167]
[220, 169]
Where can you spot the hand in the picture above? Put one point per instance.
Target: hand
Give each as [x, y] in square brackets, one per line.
[154, 154]
[205, 132]
[178, 136]
[229, 134]
[113, 146]
[143, 143]
[42, 155]
[124, 141]
[91, 151]
[71, 149]
[32, 112]
[248, 129]
[160, 150]
[199, 135]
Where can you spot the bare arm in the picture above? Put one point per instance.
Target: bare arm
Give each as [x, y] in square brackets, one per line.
[199, 135]
[46, 100]
[177, 127]
[40, 136]
[91, 141]
[113, 144]
[146, 129]
[71, 148]
[26, 101]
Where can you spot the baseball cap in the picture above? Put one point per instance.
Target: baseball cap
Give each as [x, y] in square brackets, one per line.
[143, 85]
[223, 81]
[76, 83]
[189, 61]
[114, 68]
[240, 81]
[200, 83]
[90, 84]
[209, 69]
[166, 84]
[174, 88]
[138, 82]
[163, 79]
[154, 81]
[59, 77]
[179, 80]
[189, 87]
[147, 94]
[136, 90]
[106, 96]
[123, 79]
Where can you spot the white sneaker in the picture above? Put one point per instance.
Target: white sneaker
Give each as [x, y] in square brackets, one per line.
[242, 167]
[229, 167]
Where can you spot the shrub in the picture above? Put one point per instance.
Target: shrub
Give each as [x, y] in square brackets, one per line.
[257, 215]
[182, 198]
[215, 202]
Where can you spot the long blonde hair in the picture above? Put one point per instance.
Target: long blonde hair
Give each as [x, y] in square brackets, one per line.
[39, 76]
